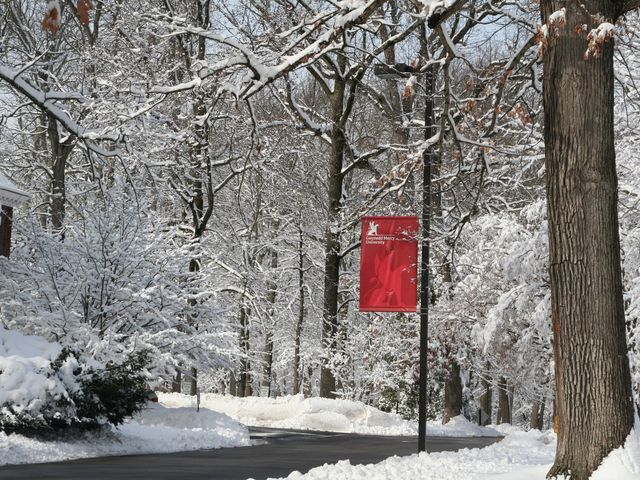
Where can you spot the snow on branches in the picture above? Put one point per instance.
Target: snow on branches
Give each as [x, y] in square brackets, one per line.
[552, 28]
[557, 19]
[410, 87]
[597, 38]
[435, 10]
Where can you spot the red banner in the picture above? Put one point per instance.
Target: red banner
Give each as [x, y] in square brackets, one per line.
[388, 264]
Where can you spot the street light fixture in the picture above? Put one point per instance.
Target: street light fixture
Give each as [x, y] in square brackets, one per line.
[400, 70]
[391, 72]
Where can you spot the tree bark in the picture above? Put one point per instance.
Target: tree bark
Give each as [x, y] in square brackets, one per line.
[267, 363]
[504, 405]
[233, 384]
[177, 380]
[267, 358]
[192, 375]
[332, 243]
[244, 385]
[543, 405]
[60, 152]
[593, 389]
[300, 319]
[486, 400]
[200, 159]
[307, 390]
[452, 393]
[537, 414]
[193, 385]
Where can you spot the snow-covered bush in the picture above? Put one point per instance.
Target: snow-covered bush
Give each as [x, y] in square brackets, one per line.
[113, 287]
[113, 393]
[499, 309]
[45, 385]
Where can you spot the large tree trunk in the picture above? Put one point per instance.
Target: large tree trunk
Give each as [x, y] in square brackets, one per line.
[192, 373]
[193, 385]
[60, 152]
[233, 384]
[330, 304]
[486, 401]
[177, 381]
[504, 405]
[244, 385]
[199, 154]
[593, 389]
[537, 414]
[267, 364]
[307, 388]
[452, 393]
[267, 357]
[332, 243]
[300, 320]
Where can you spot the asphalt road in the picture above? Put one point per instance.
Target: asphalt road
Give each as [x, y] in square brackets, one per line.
[279, 453]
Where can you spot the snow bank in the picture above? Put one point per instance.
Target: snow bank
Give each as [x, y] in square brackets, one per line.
[521, 455]
[190, 419]
[30, 388]
[460, 427]
[321, 414]
[156, 430]
[24, 360]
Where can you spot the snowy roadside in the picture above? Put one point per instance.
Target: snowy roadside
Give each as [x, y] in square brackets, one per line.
[30, 389]
[519, 456]
[521, 451]
[321, 414]
[155, 430]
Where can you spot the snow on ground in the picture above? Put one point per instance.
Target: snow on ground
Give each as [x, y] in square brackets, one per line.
[459, 427]
[28, 383]
[155, 430]
[322, 414]
[26, 380]
[519, 456]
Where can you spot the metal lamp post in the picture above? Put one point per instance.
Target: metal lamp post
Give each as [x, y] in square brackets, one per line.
[400, 70]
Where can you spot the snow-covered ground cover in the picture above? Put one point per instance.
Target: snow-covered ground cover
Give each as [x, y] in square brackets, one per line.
[519, 456]
[155, 430]
[321, 414]
[33, 388]
[28, 383]
[521, 452]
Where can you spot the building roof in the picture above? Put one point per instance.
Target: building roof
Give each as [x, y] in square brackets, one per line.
[11, 195]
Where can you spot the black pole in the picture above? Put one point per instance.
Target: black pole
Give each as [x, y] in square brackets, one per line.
[427, 161]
